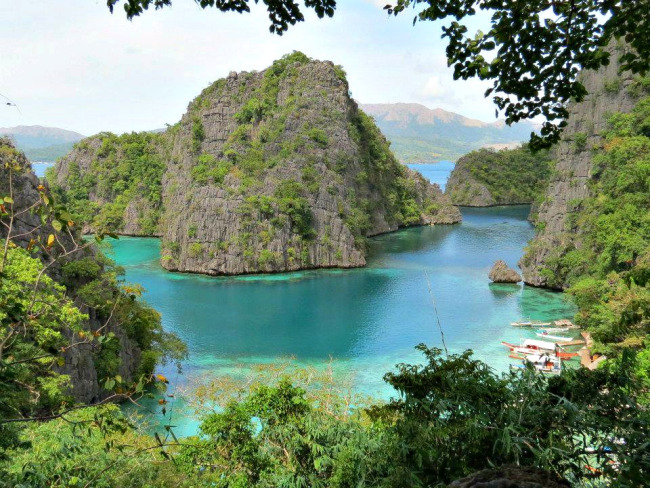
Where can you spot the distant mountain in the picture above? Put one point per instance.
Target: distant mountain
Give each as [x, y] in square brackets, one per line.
[419, 134]
[42, 143]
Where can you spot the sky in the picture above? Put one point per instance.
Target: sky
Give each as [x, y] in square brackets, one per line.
[73, 65]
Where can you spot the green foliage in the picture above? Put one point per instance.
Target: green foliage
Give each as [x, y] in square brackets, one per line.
[209, 170]
[511, 175]
[556, 51]
[126, 167]
[290, 201]
[579, 141]
[252, 111]
[613, 86]
[453, 416]
[609, 271]
[195, 249]
[27, 297]
[318, 136]
[63, 454]
[198, 134]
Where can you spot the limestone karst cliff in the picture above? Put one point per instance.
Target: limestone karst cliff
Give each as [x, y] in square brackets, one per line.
[558, 221]
[267, 171]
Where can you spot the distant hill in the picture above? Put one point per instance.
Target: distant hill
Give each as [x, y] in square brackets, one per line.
[420, 135]
[42, 143]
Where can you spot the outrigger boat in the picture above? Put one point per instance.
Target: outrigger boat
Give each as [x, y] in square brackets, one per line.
[544, 363]
[546, 335]
[531, 345]
[553, 330]
[535, 347]
[530, 323]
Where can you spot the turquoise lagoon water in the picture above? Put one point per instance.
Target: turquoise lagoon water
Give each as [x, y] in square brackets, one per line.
[367, 319]
[435, 172]
[40, 168]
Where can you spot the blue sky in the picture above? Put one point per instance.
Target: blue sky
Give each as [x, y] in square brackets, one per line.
[70, 64]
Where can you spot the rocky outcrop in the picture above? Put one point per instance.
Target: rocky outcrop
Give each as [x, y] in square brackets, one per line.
[465, 190]
[559, 230]
[487, 177]
[29, 230]
[511, 477]
[501, 273]
[274, 171]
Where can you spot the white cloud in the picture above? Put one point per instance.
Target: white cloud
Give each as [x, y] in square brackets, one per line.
[78, 67]
[435, 89]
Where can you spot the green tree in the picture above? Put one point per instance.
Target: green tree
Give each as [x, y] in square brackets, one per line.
[281, 12]
[59, 295]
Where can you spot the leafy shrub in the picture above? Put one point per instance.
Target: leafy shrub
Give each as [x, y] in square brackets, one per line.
[198, 134]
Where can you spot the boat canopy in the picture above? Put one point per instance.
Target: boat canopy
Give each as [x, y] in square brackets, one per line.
[550, 346]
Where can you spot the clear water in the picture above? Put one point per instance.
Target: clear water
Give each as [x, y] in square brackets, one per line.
[435, 172]
[40, 168]
[367, 319]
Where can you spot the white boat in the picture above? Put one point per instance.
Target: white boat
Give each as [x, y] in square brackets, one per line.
[554, 330]
[546, 335]
[531, 345]
[535, 347]
[530, 323]
[545, 363]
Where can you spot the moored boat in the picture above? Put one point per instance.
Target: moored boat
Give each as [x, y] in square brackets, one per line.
[532, 344]
[546, 335]
[530, 323]
[536, 347]
[545, 363]
[553, 330]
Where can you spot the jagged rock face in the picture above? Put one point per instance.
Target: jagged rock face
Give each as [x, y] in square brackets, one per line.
[501, 273]
[464, 190]
[277, 171]
[79, 360]
[511, 477]
[609, 92]
[308, 149]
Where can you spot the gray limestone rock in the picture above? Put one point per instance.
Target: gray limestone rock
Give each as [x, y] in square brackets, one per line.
[608, 93]
[501, 273]
[307, 177]
[511, 477]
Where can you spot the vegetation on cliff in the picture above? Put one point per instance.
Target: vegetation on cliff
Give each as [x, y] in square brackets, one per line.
[510, 176]
[71, 332]
[608, 270]
[120, 169]
[271, 171]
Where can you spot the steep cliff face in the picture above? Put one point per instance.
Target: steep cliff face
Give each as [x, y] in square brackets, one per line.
[30, 230]
[508, 177]
[272, 171]
[559, 230]
[465, 190]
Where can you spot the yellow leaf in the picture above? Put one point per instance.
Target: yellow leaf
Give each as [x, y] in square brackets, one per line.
[50, 240]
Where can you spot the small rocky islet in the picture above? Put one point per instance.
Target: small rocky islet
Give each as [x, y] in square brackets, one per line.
[486, 178]
[269, 171]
